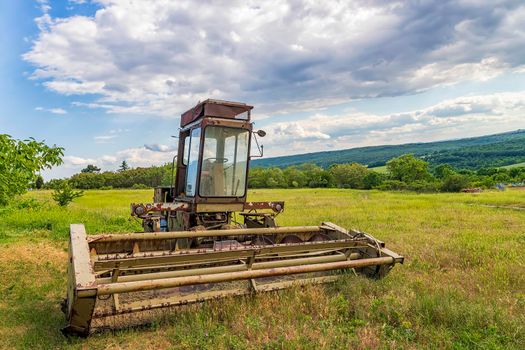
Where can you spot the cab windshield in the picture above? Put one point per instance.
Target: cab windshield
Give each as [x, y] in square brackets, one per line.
[224, 162]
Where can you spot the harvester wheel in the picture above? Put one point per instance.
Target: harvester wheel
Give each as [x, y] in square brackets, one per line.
[291, 239]
[318, 237]
[262, 240]
[374, 272]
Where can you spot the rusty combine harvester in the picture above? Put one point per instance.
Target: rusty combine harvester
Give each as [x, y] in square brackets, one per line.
[203, 240]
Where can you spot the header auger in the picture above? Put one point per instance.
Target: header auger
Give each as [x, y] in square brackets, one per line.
[193, 249]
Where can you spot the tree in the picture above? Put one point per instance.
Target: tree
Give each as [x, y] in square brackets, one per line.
[408, 168]
[455, 183]
[20, 162]
[91, 169]
[123, 166]
[316, 176]
[349, 175]
[39, 182]
[295, 177]
[443, 170]
[372, 180]
[275, 178]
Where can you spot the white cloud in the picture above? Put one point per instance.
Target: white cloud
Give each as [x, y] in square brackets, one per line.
[459, 117]
[104, 138]
[58, 111]
[454, 118]
[51, 110]
[44, 5]
[110, 135]
[74, 161]
[162, 57]
[135, 157]
[157, 147]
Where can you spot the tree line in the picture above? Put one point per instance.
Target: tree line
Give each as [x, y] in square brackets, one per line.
[91, 177]
[406, 172]
[21, 162]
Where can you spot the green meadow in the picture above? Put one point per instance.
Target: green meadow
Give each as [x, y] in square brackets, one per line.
[462, 285]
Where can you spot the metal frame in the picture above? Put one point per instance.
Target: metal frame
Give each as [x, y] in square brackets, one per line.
[107, 272]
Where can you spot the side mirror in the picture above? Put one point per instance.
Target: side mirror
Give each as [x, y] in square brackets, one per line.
[260, 148]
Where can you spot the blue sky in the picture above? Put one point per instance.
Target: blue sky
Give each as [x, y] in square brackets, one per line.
[108, 79]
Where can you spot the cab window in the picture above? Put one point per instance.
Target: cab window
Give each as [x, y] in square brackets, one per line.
[224, 163]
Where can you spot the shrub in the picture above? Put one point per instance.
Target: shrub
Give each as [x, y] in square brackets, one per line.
[372, 180]
[393, 185]
[424, 186]
[455, 183]
[139, 187]
[64, 194]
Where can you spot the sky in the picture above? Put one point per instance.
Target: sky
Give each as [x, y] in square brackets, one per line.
[108, 79]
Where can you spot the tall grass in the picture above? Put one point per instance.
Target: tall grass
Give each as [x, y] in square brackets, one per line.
[462, 286]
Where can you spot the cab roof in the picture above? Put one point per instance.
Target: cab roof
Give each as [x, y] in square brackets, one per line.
[215, 108]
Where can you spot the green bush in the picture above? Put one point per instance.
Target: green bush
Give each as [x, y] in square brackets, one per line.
[139, 187]
[392, 185]
[424, 186]
[65, 194]
[455, 183]
[372, 180]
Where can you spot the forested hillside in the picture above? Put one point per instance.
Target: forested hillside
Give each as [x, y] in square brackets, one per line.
[470, 153]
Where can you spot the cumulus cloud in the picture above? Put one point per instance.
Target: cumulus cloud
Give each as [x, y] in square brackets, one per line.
[468, 115]
[453, 118]
[161, 57]
[74, 161]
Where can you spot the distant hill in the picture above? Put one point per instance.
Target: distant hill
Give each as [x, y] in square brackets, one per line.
[470, 153]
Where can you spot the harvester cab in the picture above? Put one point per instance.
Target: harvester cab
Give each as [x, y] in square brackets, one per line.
[211, 177]
[203, 240]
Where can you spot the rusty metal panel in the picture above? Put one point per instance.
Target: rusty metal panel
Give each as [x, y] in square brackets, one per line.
[145, 271]
[82, 286]
[211, 208]
[214, 108]
[123, 287]
[139, 209]
[275, 206]
[207, 233]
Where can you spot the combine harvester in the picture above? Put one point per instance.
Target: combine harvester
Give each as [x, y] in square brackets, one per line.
[203, 240]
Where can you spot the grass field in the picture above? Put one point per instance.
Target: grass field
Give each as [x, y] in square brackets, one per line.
[517, 165]
[380, 169]
[462, 285]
